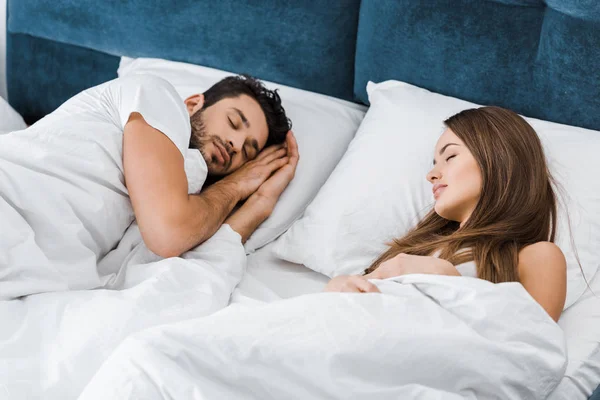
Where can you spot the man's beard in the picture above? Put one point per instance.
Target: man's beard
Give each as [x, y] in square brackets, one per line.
[200, 138]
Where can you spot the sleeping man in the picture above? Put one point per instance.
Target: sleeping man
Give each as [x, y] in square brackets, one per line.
[71, 184]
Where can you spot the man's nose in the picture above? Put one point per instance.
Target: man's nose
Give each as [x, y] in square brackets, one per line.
[236, 143]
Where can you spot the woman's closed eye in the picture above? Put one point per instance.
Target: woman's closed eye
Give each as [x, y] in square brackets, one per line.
[449, 157]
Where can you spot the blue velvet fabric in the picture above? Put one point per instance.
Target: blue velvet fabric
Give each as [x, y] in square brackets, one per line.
[306, 44]
[596, 394]
[539, 58]
[48, 73]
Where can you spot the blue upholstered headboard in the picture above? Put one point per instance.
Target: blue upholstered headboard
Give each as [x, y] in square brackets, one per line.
[538, 57]
[56, 48]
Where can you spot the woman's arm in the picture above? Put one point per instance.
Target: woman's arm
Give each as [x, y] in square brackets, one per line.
[543, 273]
[404, 264]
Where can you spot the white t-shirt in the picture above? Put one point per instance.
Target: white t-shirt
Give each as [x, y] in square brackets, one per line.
[62, 186]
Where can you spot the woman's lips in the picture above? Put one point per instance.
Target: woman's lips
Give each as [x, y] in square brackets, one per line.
[437, 190]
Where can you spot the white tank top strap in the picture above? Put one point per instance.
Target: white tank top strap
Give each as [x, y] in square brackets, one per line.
[465, 269]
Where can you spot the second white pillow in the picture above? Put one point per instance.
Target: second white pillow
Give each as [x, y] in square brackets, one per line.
[379, 191]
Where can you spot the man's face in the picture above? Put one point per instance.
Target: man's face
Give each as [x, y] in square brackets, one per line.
[229, 133]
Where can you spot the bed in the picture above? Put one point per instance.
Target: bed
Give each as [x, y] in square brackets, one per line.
[536, 57]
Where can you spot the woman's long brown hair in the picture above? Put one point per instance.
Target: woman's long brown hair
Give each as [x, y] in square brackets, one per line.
[517, 206]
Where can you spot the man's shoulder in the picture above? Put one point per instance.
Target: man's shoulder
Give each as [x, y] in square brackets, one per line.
[142, 80]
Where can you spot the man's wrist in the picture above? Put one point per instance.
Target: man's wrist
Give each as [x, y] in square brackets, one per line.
[248, 217]
[232, 187]
[262, 205]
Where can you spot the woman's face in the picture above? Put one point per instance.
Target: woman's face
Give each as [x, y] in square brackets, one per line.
[455, 178]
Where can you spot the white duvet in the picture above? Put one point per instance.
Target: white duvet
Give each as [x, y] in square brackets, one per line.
[51, 344]
[427, 337]
[165, 334]
[162, 333]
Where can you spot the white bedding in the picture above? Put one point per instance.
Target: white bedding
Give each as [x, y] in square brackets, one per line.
[580, 322]
[51, 344]
[425, 337]
[269, 278]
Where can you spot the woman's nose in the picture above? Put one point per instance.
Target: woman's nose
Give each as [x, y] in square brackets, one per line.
[433, 175]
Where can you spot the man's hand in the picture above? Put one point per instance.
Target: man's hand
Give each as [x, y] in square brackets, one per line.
[404, 264]
[260, 205]
[254, 173]
[269, 192]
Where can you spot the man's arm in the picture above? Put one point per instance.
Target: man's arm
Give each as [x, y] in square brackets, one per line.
[248, 217]
[171, 221]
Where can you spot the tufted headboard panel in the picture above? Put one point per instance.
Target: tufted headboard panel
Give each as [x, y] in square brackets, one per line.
[540, 58]
[73, 44]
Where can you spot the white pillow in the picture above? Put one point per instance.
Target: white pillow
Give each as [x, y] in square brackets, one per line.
[378, 191]
[10, 120]
[323, 126]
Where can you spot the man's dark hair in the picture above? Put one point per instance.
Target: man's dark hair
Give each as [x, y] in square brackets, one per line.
[270, 102]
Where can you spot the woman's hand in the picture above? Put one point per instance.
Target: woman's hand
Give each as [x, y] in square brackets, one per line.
[404, 264]
[351, 284]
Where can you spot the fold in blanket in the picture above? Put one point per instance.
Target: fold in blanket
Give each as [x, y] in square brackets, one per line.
[51, 344]
[426, 337]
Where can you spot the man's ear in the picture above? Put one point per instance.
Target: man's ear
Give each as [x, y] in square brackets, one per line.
[194, 103]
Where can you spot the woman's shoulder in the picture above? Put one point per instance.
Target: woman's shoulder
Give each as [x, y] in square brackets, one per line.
[540, 248]
[541, 254]
[543, 273]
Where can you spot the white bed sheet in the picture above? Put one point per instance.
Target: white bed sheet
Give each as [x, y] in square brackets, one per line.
[581, 324]
[269, 278]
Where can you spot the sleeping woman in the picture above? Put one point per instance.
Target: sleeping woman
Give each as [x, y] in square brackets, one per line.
[494, 216]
